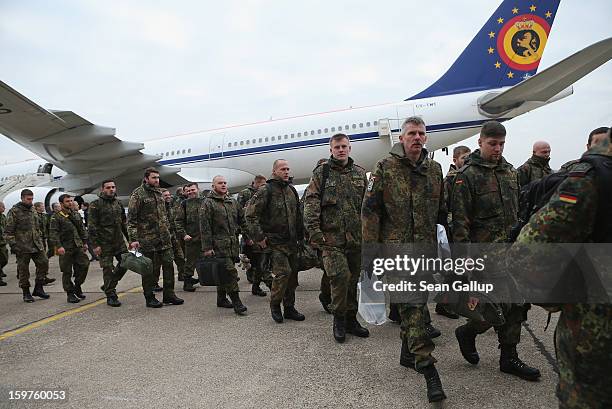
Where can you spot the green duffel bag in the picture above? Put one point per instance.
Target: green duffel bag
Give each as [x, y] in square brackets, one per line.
[136, 262]
[308, 257]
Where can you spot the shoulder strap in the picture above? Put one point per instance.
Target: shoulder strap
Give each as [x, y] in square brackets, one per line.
[324, 178]
[602, 165]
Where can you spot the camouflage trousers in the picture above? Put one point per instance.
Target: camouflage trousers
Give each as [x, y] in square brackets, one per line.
[261, 264]
[325, 287]
[343, 268]
[163, 260]
[232, 285]
[179, 257]
[23, 267]
[583, 343]
[73, 263]
[412, 330]
[193, 250]
[4, 256]
[284, 272]
[112, 274]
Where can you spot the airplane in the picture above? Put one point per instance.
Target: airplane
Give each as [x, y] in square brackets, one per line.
[495, 77]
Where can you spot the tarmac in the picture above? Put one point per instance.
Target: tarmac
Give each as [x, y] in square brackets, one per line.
[199, 356]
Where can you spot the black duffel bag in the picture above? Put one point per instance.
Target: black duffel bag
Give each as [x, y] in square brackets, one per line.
[211, 271]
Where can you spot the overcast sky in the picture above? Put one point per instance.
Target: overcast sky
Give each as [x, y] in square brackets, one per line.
[154, 69]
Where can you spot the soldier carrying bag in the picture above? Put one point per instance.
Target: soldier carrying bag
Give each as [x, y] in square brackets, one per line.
[211, 271]
[136, 262]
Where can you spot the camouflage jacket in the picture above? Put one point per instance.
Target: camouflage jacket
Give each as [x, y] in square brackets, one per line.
[107, 223]
[148, 222]
[171, 214]
[245, 195]
[188, 218]
[2, 227]
[67, 230]
[42, 226]
[274, 213]
[404, 201]
[221, 218]
[337, 215]
[22, 231]
[583, 338]
[534, 169]
[484, 201]
[449, 181]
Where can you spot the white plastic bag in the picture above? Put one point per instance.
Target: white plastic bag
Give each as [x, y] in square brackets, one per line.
[444, 250]
[372, 307]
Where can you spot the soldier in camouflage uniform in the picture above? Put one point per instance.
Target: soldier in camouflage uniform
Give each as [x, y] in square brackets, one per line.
[221, 219]
[3, 250]
[460, 154]
[55, 207]
[149, 231]
[485, 208]
[332, 219]
[274, 220]
[537, 166]
[23, 236]
[188, 228]
[107, 234]
[578, 212]
[43, 222]
[179, 257]
[68, 236]
[403, 202]
[258, 272]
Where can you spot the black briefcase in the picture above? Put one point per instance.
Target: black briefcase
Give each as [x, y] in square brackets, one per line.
[211, 271]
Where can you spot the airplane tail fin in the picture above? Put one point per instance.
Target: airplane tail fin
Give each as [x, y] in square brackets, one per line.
[506, 50]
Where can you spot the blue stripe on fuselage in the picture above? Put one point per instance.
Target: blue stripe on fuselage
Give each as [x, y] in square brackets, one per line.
[311, 142]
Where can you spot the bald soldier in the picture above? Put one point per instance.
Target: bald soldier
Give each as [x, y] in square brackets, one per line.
[537, 166]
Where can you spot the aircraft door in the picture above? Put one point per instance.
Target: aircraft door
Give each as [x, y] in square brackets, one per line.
[215, 147]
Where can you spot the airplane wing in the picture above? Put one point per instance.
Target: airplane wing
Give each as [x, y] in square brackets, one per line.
[548, 83]
[88, 153]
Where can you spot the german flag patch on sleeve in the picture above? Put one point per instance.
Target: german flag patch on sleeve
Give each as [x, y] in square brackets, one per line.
[568, 198]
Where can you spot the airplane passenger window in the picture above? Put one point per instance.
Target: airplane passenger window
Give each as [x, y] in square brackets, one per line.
[254, 140]
[172, 153]
[235, 143]
[361, 125]
[292, 136]
[333, 129]
[183, 151]
[189, 150]
[346, 127]
[273, 138]
[312, 132]
[375, 123]
[354, 126]
[229, 145]
[319, 131]
[266, 139]
[167, 153]
[248, 141]
[286, 136]
[367, 124]
[241, 143]
[326, 130]
[299, 134]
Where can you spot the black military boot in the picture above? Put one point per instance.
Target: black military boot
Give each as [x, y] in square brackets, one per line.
[172, 299]
[152, 302]
[188, 285]
[466, 337]
[435, 393]
[157, 288]
[72, 298]
[432, 331]
[442, 310]
[48, 281]
[394, 314]
[353, 327]
[2, 283]
[112, 300]
[324, 302]
[339, 328]
[407, 358]
[292, 314]
[276, 312]
[239, 307]
[180, 277]
[79, 292]
[256, 290]
[39, 291]
[509, 362]
[27, 297]
[223, 302]
[249, 275]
